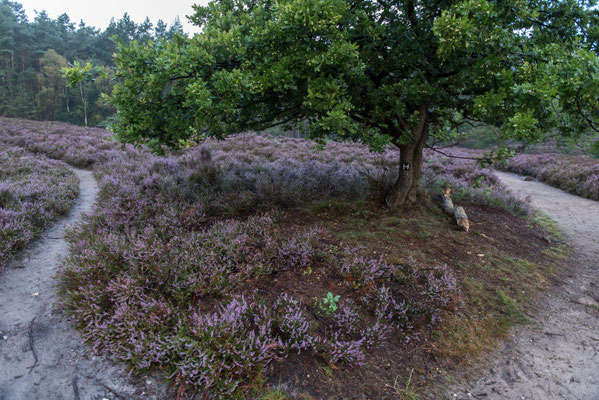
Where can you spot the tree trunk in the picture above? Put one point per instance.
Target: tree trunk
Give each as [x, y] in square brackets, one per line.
[66, 95]
[84, 100]
[406, 188]
[457, 212]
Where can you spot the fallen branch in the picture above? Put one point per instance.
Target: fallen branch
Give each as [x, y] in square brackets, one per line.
[32, 345]
[457, 212]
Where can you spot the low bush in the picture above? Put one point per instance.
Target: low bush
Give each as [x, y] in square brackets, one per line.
[247, 172]
[34, 191]
[187, 301]
[186, 264]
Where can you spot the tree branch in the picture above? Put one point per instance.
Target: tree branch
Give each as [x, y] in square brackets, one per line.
[452, 156]
[445, 147]
[588, 120]
[411, 13]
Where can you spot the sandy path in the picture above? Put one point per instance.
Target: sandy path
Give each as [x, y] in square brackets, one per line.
[558, 357]
[41, 355]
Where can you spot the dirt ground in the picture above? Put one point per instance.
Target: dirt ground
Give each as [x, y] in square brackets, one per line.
[42, 356]
[501, 253]
[557, 357]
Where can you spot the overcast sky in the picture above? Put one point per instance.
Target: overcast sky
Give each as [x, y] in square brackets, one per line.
[98, 13]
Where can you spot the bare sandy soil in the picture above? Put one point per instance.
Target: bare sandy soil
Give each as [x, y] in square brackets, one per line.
[557, 357]
[42, 356]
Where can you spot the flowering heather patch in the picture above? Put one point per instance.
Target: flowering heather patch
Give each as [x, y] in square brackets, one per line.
[440, 290]
[79, 146]
[348, 351]
[292, 324]
[578, 175]
[241, 175]
[469, 181]
[360, 271]
[165, 272]
[249, 171]
[184, 300]
[34, 191]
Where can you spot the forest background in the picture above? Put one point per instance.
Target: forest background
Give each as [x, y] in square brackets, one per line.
[32, 54]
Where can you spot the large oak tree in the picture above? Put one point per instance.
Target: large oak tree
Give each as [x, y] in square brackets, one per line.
[379, 71]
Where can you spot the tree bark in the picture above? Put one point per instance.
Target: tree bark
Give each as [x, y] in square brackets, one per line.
[84, 100]
[66, 95]
[458, 213]
[406, 188]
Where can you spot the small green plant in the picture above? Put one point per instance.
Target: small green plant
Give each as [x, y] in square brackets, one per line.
[406, 391]
[328, 304]
[274, 394]
[512, 309]
[478, 182]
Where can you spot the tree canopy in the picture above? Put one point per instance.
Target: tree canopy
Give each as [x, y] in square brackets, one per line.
[379, 71]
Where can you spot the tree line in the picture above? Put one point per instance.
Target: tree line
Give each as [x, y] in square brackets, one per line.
[33, 53]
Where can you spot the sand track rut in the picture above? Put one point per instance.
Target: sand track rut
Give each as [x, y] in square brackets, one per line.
[42, 356]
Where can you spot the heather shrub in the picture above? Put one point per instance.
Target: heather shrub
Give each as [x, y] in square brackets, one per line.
[163, 273]
[440, 291]
[388, 308]
[347, 351]
[440, 286]
[34, 191]
[247, 172]
[469, 181]
[591, 186]
[184, 301]
[76, 145]
[374, 335]
[298, 251]
[360, 271]
[15, 233]
[292, 324]
[347, 317]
